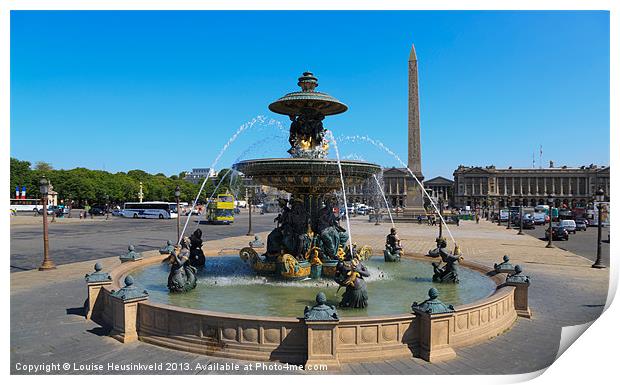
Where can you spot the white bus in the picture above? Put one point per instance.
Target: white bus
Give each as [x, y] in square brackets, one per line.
[22, 205]
[149, 210]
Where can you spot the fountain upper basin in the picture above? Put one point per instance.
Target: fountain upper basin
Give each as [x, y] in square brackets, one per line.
[306, 176]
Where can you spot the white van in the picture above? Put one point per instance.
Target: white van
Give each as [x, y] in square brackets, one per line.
[569, 225]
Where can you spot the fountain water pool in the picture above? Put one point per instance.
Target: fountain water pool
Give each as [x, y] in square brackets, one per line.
[228, 285]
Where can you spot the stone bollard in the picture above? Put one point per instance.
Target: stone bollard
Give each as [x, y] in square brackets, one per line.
[95, 282]
[321, 322]
[434, 320]
[521, 283]
[125, 311]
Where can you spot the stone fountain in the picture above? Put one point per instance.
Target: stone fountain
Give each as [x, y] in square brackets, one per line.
[308, 237]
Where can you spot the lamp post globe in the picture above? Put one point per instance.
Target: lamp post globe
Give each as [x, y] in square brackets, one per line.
[600, 197]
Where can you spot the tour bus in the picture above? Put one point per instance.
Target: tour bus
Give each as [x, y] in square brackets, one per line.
[221, 209]
[148, 210]
[32, 205]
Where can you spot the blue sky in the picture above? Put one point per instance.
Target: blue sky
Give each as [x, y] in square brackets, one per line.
[164, 91]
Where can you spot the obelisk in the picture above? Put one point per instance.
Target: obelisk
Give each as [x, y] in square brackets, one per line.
[415, 197]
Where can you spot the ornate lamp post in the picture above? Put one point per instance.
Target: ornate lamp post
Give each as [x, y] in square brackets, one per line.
[440, 201]
[499, 213]
[140, 193]
[47, 263]
[177, 195]
[520, 216]
[249, 198]
[600, 196]
[550, 200]
[507, 205]
[107, 207]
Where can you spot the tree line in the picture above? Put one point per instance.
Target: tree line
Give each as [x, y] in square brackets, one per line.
[97, 187]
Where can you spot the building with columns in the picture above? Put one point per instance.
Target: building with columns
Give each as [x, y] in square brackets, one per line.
[489, 186]
[395, 185]
[440, 187]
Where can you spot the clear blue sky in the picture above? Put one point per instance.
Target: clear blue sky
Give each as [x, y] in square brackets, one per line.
[120, 90]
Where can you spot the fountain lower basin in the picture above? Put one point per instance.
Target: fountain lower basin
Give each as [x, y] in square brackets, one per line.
[355, 338]
[228, 285]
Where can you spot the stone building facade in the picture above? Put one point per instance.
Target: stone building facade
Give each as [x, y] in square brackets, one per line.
[440, 187]
[489, 186]
[395, 183]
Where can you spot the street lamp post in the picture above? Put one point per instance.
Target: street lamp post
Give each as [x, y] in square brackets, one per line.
[177, 195]
[507, 205]
[550, 231]
[600, 196]
[440, 201]
[499, 214]
[107, 207]
[249, 198]
[47, 263]
[520, 216]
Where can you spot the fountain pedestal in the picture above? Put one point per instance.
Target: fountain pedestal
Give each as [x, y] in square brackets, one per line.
[322, 344]
[434, 336]
[95, 282]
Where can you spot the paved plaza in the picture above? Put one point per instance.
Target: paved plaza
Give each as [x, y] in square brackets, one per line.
[47, 326]
[74, 240]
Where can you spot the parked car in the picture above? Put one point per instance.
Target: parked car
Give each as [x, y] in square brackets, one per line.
[540, 218]
[528, 223]
[569, 225]
[51, 210]
[558, 233]
[97, 210]
[582, 224]
[117, 213]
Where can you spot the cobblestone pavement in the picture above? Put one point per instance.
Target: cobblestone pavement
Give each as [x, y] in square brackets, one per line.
[46, 326]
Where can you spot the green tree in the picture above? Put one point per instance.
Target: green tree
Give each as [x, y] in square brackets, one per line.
[43, 166]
